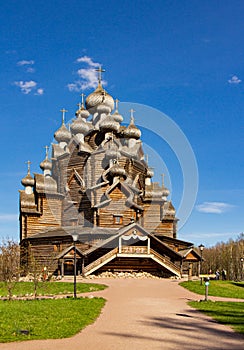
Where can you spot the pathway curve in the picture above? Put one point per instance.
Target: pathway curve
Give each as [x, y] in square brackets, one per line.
[144, 314]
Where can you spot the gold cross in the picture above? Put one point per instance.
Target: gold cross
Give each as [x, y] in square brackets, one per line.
[132, 119]
[82, 98]
[28, 165]
[47, 148]
[116, 104]
[100, 71]
[162, 179]
[63, 114]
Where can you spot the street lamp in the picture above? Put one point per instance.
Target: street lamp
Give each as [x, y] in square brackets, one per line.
[201, 247]
[75, 238]
[242, 266]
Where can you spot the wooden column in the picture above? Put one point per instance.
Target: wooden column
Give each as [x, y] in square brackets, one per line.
[190, 271]
[148, 245]
[181, 268]
[83, 267]
[62, 268]
[120, 244]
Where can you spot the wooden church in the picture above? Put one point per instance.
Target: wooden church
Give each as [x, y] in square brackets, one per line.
[96, 195]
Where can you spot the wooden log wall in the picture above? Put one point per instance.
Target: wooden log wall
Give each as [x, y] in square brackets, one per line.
[51, 217]
[116, 207]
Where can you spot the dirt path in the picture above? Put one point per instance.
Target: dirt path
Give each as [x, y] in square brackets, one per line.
[144, 314]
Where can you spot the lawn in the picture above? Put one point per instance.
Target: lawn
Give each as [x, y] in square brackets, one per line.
[50, 288]
[228, 313]
[46, 319]
[228, 289]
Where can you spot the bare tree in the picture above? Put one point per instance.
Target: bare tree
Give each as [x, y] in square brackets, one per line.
[9, 264]
[38, 270]
[226, 256]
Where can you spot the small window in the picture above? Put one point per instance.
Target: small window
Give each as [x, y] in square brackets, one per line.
[118, 219]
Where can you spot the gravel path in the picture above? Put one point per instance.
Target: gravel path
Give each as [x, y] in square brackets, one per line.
[144, 314]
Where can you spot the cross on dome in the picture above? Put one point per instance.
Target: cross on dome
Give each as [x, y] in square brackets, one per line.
[100, 71]
[162, 175]
[28, 165]
[63, 114]
[47, 149]
[116, 104]
[82, 98]
[132, 118]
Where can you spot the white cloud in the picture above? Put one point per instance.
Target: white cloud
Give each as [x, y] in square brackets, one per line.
[88, 77]
[30, 70]
[8, 217]
[213, 207]
[26, 86]
[234, 80]
[24, 63]
[88, 60]
[39, 91]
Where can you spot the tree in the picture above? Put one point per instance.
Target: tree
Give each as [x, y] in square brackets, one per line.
[226, 256]
[9, 264]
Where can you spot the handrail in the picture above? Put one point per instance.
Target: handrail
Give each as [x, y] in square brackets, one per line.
[166, 260]
[100, 260]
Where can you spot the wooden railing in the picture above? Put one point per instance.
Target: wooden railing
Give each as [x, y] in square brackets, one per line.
[99, 261]
[133, 250]
[166, 261]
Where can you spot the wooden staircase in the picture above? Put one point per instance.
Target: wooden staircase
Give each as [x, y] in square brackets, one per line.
[165, 262]
[161, 260]
[95, 265]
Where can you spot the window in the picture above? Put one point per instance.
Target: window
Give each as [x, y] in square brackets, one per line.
[118, 219]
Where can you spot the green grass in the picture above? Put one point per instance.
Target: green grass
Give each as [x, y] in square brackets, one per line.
[227, 313]
[50, 288]
[227, 289]
[46, 319]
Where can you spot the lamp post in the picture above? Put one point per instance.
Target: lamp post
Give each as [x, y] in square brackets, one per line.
[75, 238]
[201, 247]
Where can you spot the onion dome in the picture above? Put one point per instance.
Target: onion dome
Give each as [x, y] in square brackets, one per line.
[112, 153]
[62, 134]
[117, 170]
[150, 173]
[46, 164]
[79, 126]
[98, 97]
[109, 124]
[102, 108]
[132, 131]
[116, 115]
[28, 179]
[82, 112]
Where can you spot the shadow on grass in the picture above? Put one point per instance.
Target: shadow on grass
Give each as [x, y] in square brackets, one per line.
[238, 284]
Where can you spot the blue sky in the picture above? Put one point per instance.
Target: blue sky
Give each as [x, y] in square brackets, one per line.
[183, 58]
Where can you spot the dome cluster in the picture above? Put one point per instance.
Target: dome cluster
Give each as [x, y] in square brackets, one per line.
[98, 114]
[99, 105]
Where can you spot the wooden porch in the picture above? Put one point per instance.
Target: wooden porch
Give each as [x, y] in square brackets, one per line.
[125, 252]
